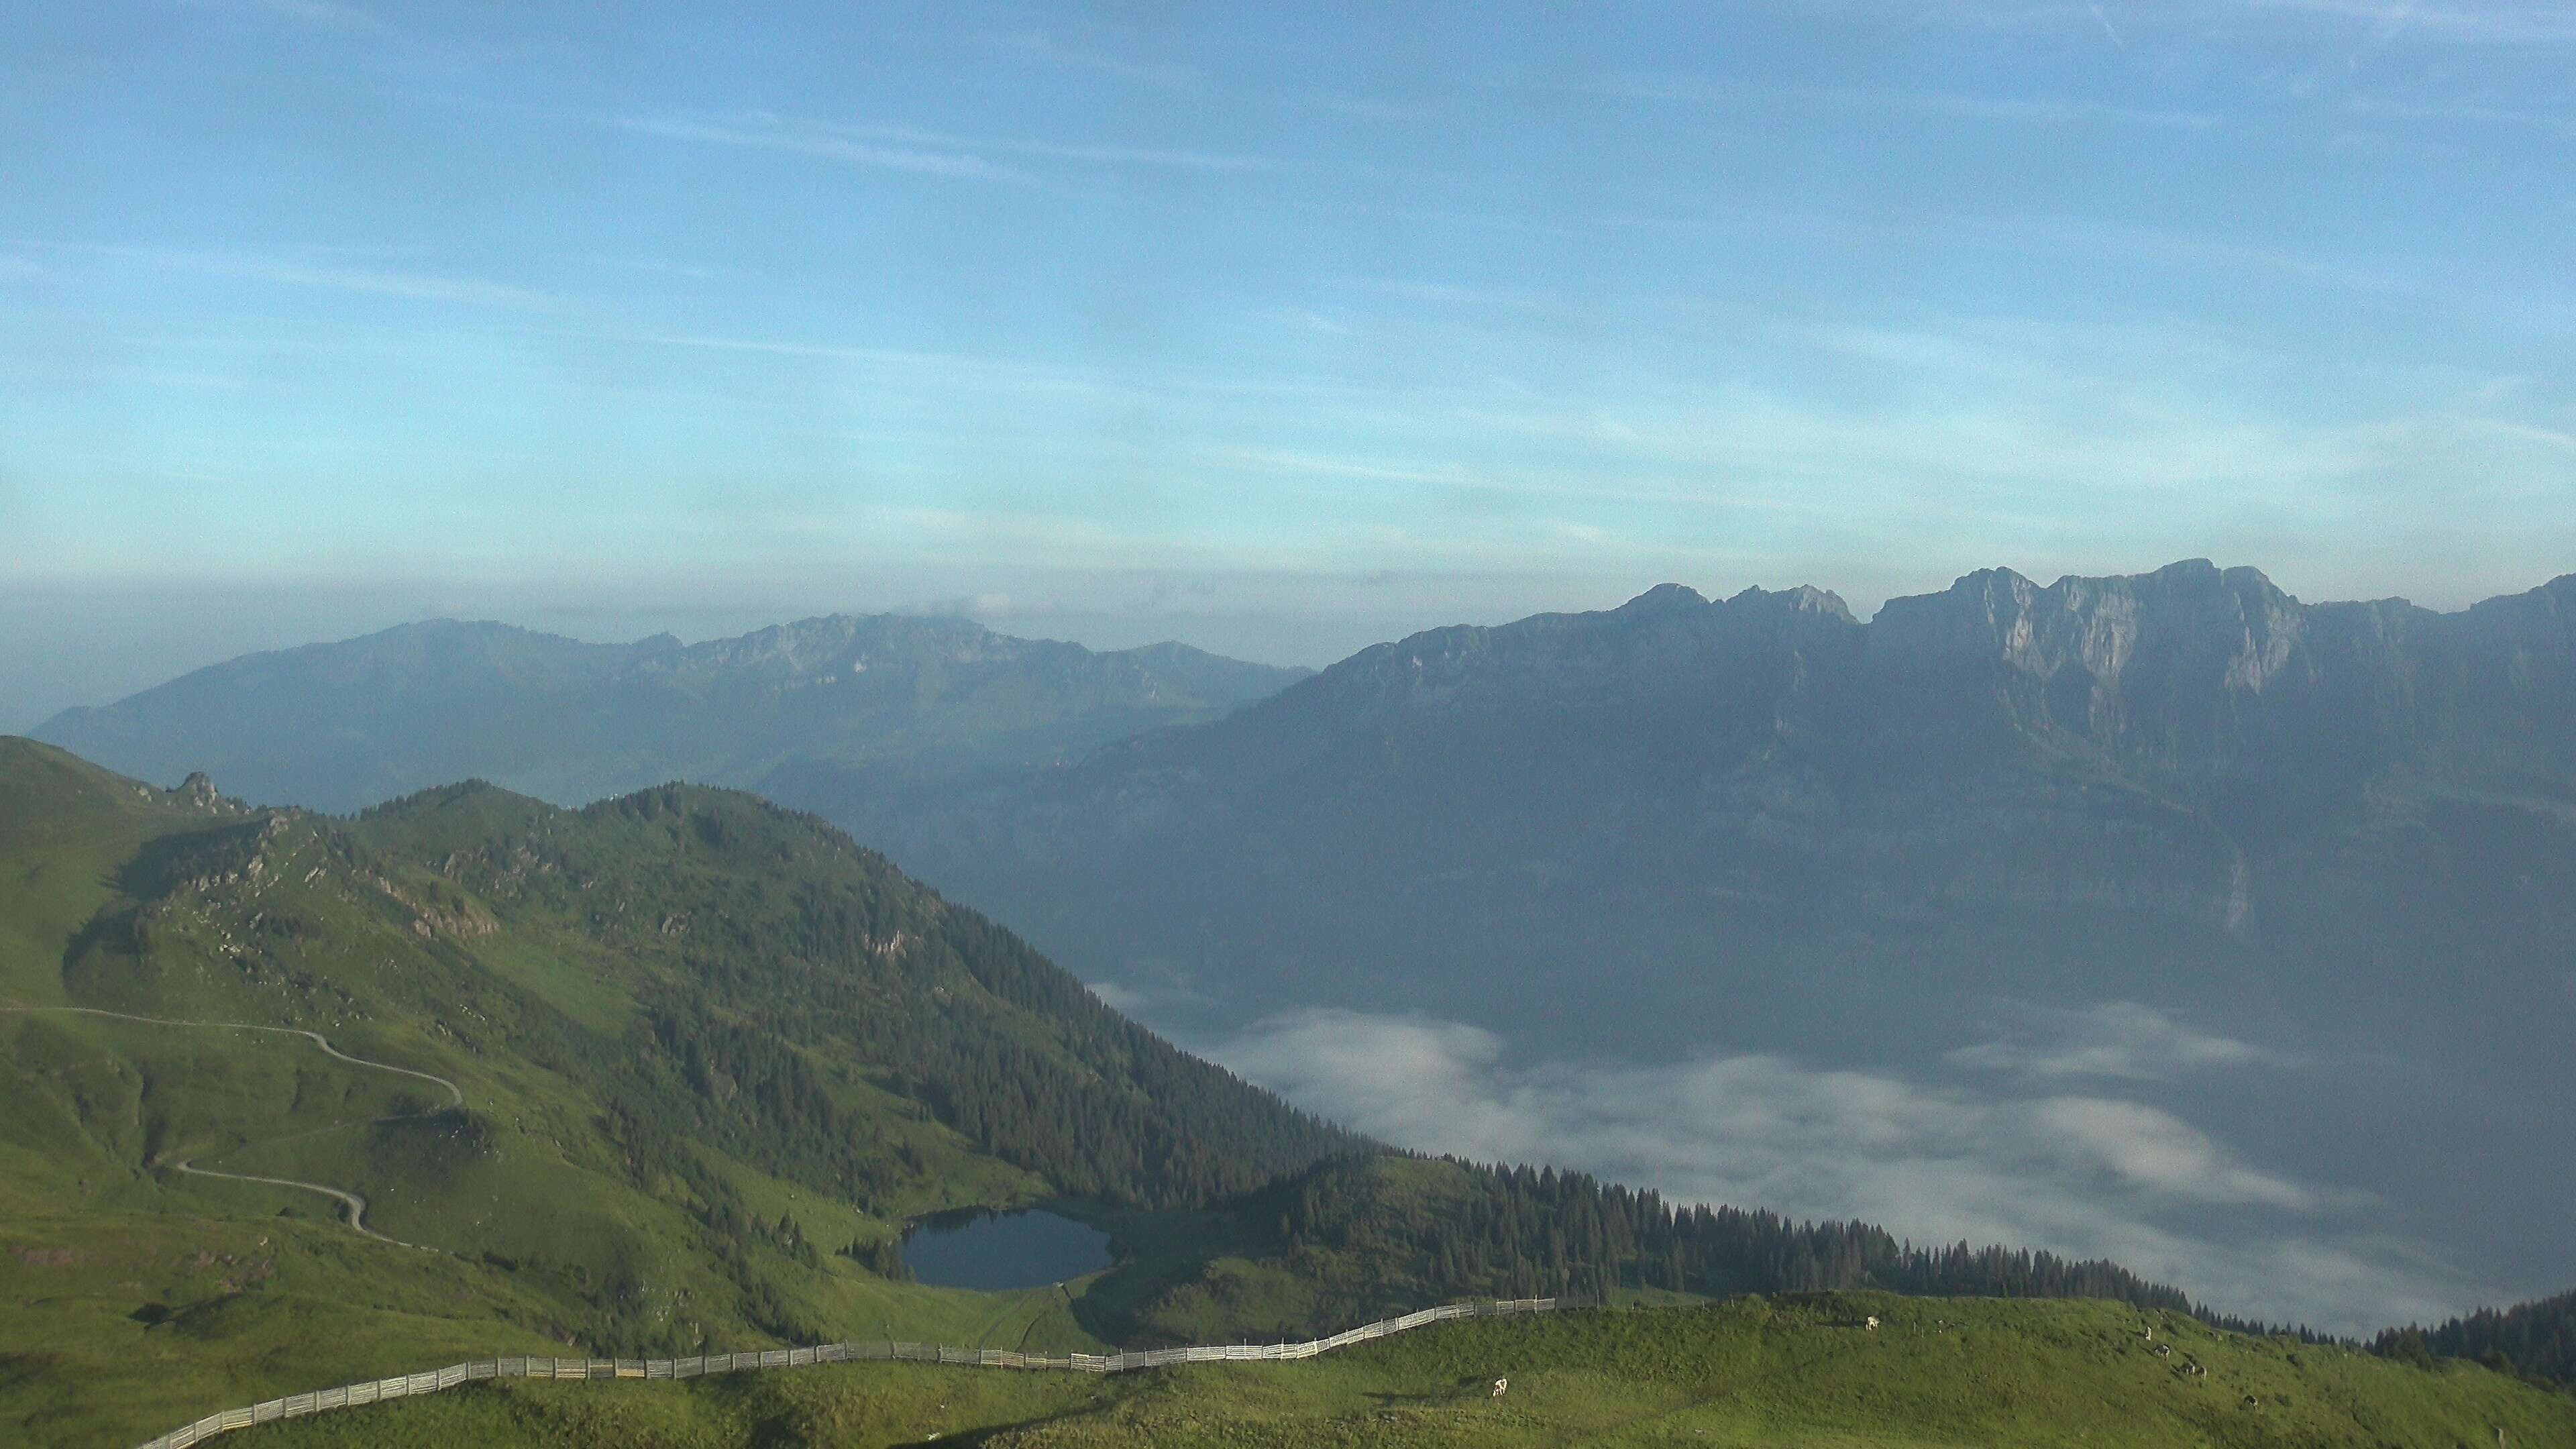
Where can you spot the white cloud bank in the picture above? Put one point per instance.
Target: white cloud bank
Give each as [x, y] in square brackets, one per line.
[2118, 1039]
[2067, 1166]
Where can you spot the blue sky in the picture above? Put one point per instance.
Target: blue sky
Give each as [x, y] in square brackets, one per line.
[1278, 329]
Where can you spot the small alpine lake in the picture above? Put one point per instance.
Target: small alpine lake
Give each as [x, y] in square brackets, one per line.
[996, 1252]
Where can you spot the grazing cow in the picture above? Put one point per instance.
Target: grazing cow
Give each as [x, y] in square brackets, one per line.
[1872, 1323]
[1500, 1385]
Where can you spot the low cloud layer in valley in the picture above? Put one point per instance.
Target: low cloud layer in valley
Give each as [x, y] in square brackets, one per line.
[2054, 1135]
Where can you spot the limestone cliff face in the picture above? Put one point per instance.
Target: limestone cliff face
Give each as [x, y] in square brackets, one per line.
[2190, 673]
[2186, 668]
[2205, 672]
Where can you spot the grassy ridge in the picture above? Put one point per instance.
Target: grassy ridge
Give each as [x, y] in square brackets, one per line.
[704, 1046]
[1779, 1372]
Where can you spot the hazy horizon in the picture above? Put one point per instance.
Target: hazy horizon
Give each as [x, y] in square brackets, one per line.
[1272, 333]
[88, 646]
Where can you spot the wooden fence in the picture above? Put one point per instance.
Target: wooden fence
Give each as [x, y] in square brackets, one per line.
[403, 1386]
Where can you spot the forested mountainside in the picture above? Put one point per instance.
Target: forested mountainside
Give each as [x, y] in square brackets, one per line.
[2537, 1339]
[342, 725]
[1356, 1238]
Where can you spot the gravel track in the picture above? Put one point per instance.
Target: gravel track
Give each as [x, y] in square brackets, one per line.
[354, 1203]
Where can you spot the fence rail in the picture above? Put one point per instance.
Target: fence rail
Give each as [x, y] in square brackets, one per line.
[402, 1386]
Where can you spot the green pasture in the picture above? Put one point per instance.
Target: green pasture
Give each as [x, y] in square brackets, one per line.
[1774, 1373]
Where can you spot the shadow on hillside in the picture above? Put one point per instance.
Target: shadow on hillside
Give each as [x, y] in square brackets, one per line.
[988, 1434]
[1472, 1389]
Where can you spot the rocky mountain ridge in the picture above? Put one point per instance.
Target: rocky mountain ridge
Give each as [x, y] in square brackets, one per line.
[2190, 671]
[1979, 773]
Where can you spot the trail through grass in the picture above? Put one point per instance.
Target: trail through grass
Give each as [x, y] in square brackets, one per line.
[345, 1197]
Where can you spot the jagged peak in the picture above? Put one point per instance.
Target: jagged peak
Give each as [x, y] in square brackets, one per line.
[1664, 597]
[2182, 574]
[2201, 573]
[1986, 584]
[1802, 599]
[2187, 568]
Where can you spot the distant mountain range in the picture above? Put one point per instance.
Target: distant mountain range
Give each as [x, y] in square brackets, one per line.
[343, 725]
[2339, 836]
[2142, 784]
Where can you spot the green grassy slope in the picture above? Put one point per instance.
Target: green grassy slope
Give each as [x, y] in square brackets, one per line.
[1776, 1373]
[704, 1046]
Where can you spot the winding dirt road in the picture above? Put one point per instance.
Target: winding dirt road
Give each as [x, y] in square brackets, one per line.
[355, 1204]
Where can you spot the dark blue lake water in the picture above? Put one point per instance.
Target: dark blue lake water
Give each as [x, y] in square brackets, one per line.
[996, 1251]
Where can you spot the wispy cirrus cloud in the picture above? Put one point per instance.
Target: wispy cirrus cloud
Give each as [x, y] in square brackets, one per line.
[1948, 105]
[1175, 158]
[1302, 319]
[909, 148]
[1365, 109]
[414, 286]
[1043, 46]
[2500, 22]
[328, 13]
[769, 134]
[2489, 24]
[1283, 460]
[2182, 250]
[2531, 116]
[1455, 294]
